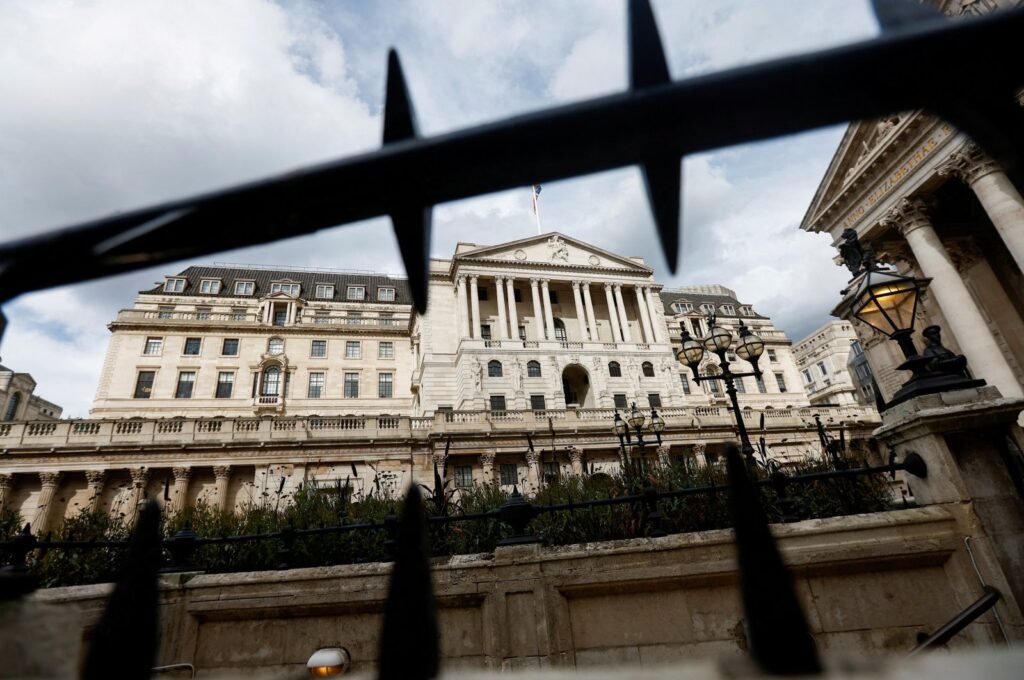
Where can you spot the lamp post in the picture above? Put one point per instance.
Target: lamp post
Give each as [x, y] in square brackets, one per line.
[749, 347]
[635, 421]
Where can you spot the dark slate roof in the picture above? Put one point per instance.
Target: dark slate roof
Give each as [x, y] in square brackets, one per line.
[698, 299]
[307, 279]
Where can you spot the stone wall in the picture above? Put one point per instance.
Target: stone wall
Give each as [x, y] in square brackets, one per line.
[870, 584]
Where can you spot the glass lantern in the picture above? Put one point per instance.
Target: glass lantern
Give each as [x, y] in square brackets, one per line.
[719, 339]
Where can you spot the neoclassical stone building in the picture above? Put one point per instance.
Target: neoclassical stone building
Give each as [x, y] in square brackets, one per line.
[231, 385]
[18, 400]
[823, 358]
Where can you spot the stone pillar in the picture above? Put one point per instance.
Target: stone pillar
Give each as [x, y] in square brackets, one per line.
[6, 484]
[576, 458]
[591, 317]
[439, 458]
[50, 482]
[699, 449]
[996, 193]
[463, 307]
[613, 314]
[580, 314]
[179, 498]
[487, 463]
[965, 321]
[645, 319]
[538, 309]
[140, 477]
[223, 475]
[474, 302]
[533, 469]
[513, 315]
[627, 335]
[549, 319]
[657, 328]
[95, 479]
[502, 333]
[664, 454]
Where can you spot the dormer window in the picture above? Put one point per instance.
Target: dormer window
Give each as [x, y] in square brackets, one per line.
[682, 307]
[728, 310]
[746, 310]
[209, 286]
[355, 293]
[245, 287]
[174, 286]
[324, 291]
[286, 288]
[707, 308]
[385, 295]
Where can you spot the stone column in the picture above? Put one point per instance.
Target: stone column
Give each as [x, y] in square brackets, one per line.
[502, 333]
[513, 315]
[576, 458]
[969, 327]
[439, 459]
[699, 449]
[487, 463]
[627, 335]
[657, 328]
[223, 475]
[996, 193]
[580, 314]
[474, 302]
[533, 469]
[645, 319]
[140, 477]
[95, 479]
[463, 307]
[591, 317]
[179, 499]
[6, 484]
[538, 309]
[50, 482]
[664, 454]
[549, 319]
[613, 314]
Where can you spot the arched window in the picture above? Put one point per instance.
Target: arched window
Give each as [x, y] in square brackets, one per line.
[560, 330]
[532, 369]
[275, 346]
[614, 370]
[271, 382]
[493, 368]
[648, 369]
[12, 406]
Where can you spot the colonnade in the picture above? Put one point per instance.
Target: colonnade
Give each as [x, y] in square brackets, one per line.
[468, 294]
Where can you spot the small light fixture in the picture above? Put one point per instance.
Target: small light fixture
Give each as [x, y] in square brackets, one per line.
[692, 351]
[887, 302]
[719, 339]
[750, 346]
[636, 419]
[657, 422]
[619, 426]
[329, 662]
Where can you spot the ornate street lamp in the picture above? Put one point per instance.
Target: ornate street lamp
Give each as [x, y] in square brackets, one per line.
[749, 347]
[634, 424]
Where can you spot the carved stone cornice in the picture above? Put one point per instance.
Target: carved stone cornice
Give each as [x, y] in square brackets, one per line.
[907, 215]
[969, 164]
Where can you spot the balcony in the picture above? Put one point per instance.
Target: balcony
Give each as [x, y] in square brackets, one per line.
[172, 318]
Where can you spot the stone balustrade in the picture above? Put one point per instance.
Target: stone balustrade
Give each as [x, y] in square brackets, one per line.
[146, 316]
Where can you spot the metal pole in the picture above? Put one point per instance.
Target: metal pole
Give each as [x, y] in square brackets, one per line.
[730, 389]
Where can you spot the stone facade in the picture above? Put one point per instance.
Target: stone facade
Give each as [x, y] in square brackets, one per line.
[823, 359]
[18, 400]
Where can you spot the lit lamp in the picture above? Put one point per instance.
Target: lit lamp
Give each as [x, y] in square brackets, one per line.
[329, 662]
[657, 425]
[887, 302]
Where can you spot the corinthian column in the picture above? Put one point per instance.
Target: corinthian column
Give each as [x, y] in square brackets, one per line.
[463, 307]
[965, 320]
[549, 319]
[50, 481]
[576, 459]
[657, 328]
[588, 303]
[699, 451]
[474, 301]
[487, 463]
[538, 309]
[140, 477]
[179, 499]
[664, 457]
[502, 333]
[513, 315]
[6, 483]
[645, 319]
[533, 469]
[613, 315]
[996, 193]
[627, 335]
[580, 314]
[222, 473]
[95, 479]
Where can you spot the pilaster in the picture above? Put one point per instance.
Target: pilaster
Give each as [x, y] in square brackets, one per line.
[95, 480]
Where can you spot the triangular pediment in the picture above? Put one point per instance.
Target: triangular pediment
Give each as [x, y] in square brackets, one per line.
[553, 249]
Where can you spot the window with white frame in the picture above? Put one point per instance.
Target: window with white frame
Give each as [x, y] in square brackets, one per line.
[654, 399]
[174, 285]
[355, 293]
[463, 476]
[209, 286]
[238, 314]
[318, 349]
[807, 377]
[351, 385]
[322, 318]
[385, 295]
[275, 346]
[822, 368]
[324, 291]
[192, 347]
[230, 347]
[746, 310]
[761, 387]
[352, 349]
[686, 383]
[780, 380]
[154, 346]
[385, 385]
[225, 384]
[619, 400]
[144, 384]
[186, 383]
[385, 350]
[741, 386]
[509, 474]
[287, 288]
[772, 357]
[245, 287]
[316, 385]
[728, 310]
[682, 307]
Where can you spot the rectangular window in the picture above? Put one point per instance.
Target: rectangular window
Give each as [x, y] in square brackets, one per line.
[174, 285]
[551, 472]
[385, 295]
[352, 349]
[760, 385]
[728, 310]
[280, 317]
[351, 385]
[686, 383]
[807, 377]
[287, 288]
[209, 286]
[509, 474]
[741, 386]
[771, 356]
[537, 402]
[318, 349]
[698, 327]
[355, 293]
[186, 381]
[620, 400]
[463, 476]
[230, 347]
[715, 387]
[385, 385]
[485, 331]
[385, 350]
[822, 368]
[522, 332]
[245, 287]
[165, 312]
[225, 384]
[144, 384]
[316, 385]
[154, 346]
[654, 399]
[497, 402]
[192, 347]
[324, 291]
[780, 380]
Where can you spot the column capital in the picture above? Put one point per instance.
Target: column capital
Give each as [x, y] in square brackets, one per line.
[487, 458]
[585, 285]
[221, 472]
[499, 278]
[460, 278]
[969, 164]
[49, 479]
[140, 475]
[699, 448]
[95, 477]
[545, 282]
[181, 474]
[6, 480]
[908, 215]
[439, 457]
[576, 284]
[575, 455]
[473, 278]
[534, 281]
[532, 457]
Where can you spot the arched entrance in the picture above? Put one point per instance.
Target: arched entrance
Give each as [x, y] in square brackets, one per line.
[576, 386]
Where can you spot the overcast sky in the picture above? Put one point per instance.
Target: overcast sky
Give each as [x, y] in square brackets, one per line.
[107, 106]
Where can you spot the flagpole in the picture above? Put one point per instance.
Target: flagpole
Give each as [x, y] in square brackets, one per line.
[535, 192]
